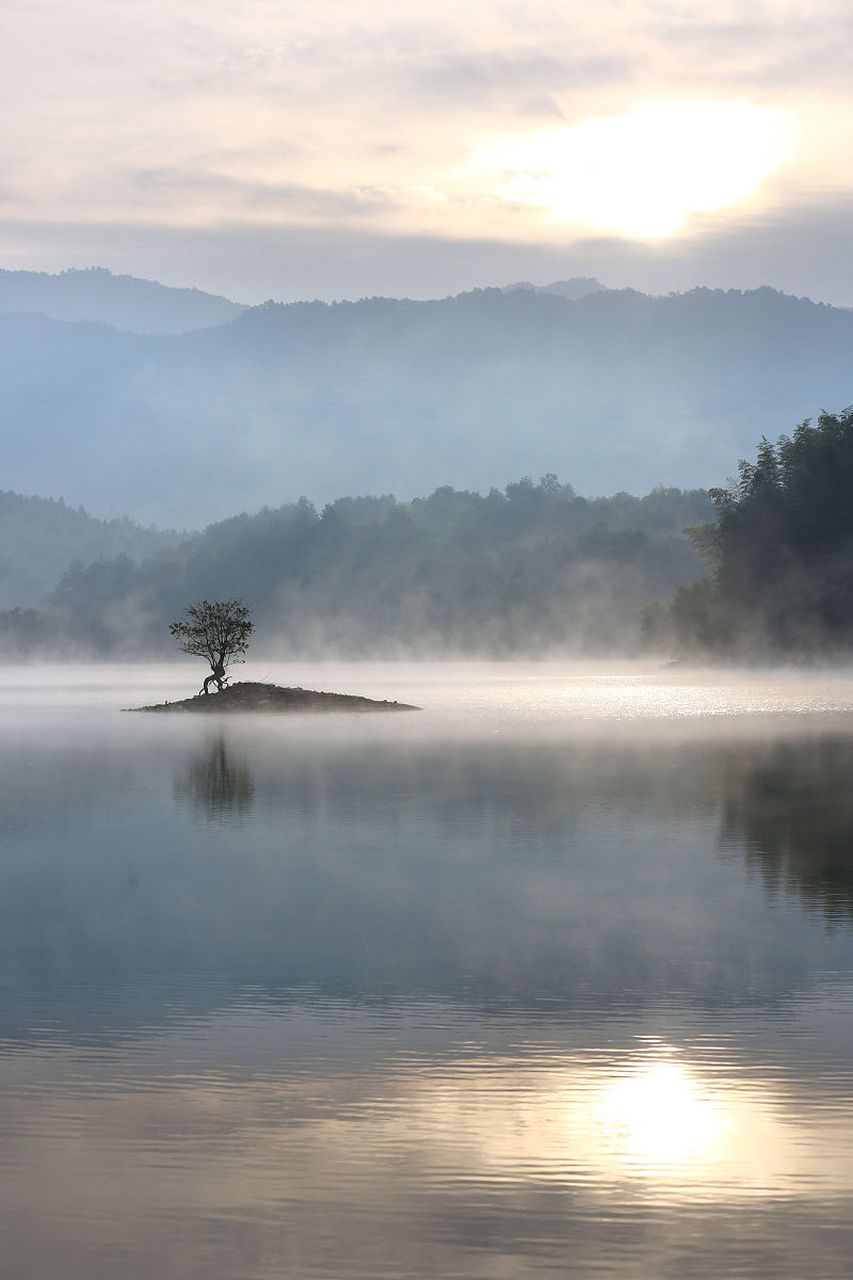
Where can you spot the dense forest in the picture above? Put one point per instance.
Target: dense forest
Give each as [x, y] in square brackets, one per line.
[41, 537]
[781, 555]
[534, 568]
[762, 568]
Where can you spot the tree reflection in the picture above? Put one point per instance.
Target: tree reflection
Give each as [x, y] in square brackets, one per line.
[793, 813]
[215, 784]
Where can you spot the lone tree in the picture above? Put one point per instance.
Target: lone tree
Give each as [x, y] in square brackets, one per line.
[217, 630]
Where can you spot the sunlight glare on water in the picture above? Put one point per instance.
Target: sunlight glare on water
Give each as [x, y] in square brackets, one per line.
[531, 691]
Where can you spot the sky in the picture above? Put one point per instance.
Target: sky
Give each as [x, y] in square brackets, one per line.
[268, 149]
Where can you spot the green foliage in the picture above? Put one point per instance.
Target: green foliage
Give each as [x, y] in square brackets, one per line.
[534, 568]
[217, 630]
[781, 550]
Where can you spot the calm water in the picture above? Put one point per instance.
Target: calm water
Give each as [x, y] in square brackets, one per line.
[552, 978]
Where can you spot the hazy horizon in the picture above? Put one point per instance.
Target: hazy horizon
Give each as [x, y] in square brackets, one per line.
[350, 267]
[545, 283]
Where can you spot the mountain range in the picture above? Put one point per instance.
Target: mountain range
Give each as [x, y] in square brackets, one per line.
[141, 306]
[613, 389]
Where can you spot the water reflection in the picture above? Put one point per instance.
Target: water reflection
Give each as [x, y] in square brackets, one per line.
[581, 873]
[216, 783]
[313, 1003]
[426, 1145]
[791, 813]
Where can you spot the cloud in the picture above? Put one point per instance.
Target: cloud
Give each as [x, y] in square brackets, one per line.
[482, 77]
[225, 189]
[785, 48]
[190, 115]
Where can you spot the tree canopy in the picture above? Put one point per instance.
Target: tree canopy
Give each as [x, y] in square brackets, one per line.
[217, 630]
[533, 568]
[781, 550]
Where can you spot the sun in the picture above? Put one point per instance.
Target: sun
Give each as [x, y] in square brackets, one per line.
[645, 173]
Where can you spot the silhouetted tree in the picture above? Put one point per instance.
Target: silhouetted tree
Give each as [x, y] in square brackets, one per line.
[781, 550]
[217, 630]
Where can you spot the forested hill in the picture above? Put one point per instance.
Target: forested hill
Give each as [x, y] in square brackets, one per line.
[532, 569]
[127, 302]
[616, 389]
[780, 553]
[41, 537]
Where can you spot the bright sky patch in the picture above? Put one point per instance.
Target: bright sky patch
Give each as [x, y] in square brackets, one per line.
[643, 174]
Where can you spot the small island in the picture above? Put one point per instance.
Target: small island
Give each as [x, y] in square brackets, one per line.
[219, 631]
[248, 695]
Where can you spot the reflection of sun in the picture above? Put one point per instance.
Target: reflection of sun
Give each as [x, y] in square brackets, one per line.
[659, 1118]
[644, 173]
[684, 1124]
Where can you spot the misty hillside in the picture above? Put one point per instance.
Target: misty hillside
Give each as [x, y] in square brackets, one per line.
[577, 287]
[140, 306]
[614, 390]
[533, 568]
[41, 537]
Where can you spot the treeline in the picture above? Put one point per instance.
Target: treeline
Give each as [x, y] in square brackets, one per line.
[42, 537]
[780, 553]
[531, 569]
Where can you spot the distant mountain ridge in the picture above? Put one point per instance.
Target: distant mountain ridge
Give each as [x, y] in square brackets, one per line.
[615, 389]
[131, 303]
[127, 302]
[577, 287]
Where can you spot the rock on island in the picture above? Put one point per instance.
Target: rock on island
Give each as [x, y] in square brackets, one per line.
[248, 695]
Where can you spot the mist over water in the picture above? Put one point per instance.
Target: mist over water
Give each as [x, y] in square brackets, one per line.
[554, 976]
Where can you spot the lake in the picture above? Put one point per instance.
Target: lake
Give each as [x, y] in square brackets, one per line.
[553, 977]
